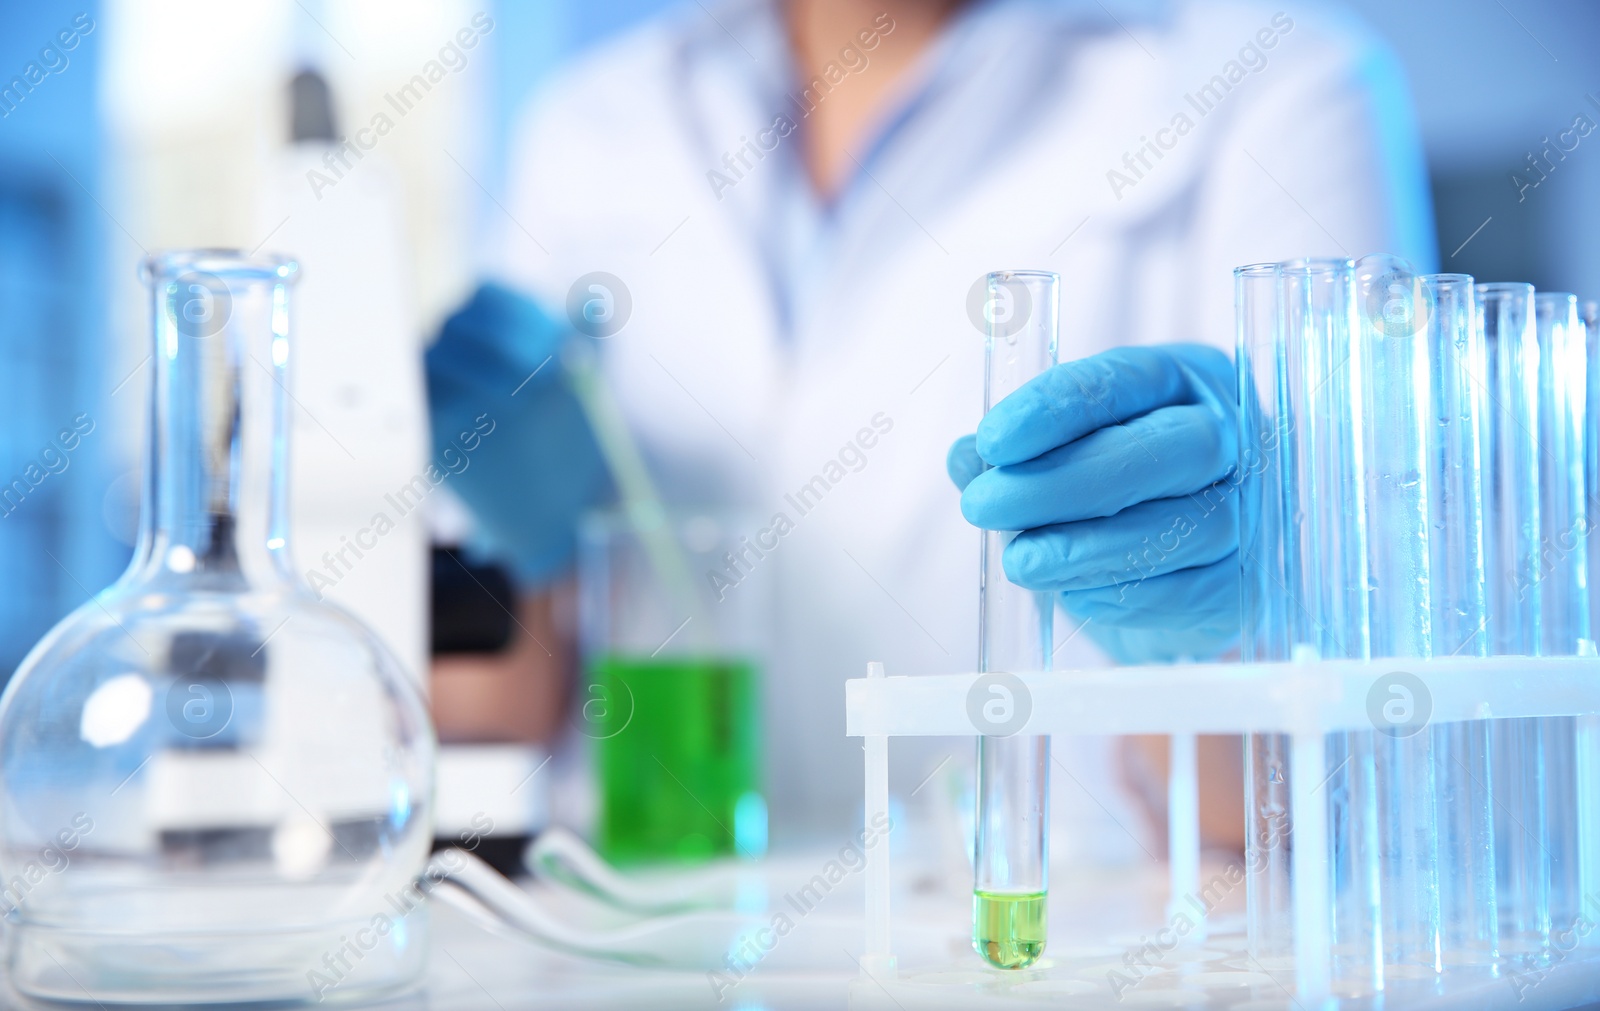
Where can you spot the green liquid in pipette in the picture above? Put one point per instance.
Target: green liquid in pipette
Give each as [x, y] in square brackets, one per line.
[1008, 928]
[677, 748]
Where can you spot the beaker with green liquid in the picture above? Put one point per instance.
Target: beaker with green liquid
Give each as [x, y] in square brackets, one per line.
[672, 638]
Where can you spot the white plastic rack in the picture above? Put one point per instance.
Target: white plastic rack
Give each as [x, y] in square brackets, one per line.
[1307, 699]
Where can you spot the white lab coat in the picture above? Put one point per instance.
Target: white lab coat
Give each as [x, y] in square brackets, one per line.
[766, 332]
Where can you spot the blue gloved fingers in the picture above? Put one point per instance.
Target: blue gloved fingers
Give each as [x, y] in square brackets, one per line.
[1205, 597]
[509, 434]
[1148, 539]
[962, 462]
[1172, 451]
[1113, 387]
[534, 471]
[497, 341]
[1116, 470]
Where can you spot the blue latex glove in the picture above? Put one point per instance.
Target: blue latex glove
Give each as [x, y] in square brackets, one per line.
[534, 467]
[1118, 471]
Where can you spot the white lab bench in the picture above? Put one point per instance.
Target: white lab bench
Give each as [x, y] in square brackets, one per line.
[471, 968]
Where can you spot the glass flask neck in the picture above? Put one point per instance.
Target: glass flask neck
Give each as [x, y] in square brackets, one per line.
[215, 493]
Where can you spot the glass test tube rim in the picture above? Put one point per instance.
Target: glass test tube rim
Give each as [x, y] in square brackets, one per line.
[1314, 265]
[1506, 287]
[1044, 275]
[1549, 297]
[221, 262]
[1308, 266]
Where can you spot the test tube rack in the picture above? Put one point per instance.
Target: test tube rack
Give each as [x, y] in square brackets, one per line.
[1306, 699]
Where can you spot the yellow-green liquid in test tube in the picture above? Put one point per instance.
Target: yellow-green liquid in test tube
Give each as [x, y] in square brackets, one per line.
[1011, 852]
[1008, 930]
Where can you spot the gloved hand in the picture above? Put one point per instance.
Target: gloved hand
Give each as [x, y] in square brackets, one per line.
[1118, 471]
[534, 466]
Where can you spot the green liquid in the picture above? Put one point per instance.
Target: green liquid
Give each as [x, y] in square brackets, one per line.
[1008, 929]
[677, 750]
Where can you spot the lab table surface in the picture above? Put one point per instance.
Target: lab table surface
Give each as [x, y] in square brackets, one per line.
[1114, 944]
[815, 967]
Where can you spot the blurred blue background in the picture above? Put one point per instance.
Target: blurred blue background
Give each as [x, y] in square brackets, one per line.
[54, 545]
[1493, 84]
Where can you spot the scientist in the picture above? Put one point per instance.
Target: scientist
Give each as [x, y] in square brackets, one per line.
[769, 218]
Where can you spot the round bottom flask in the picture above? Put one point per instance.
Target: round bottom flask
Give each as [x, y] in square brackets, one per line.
[214, 787]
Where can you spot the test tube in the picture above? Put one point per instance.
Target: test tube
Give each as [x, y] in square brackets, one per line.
[1511, 561]
[1397, 396]
[1588, 769]
[1590, 311]
[1563, 518]
[1469, 928]
[1511, 490]
[1011, 851]
[1265, 603]
[1396, 383]
[1327, 578]
[1328, 493]
[1563, 571]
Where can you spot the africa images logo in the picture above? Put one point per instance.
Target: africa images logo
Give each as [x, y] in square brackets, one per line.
[999, 704]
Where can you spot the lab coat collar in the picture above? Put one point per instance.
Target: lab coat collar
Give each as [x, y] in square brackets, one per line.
[976, 94]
